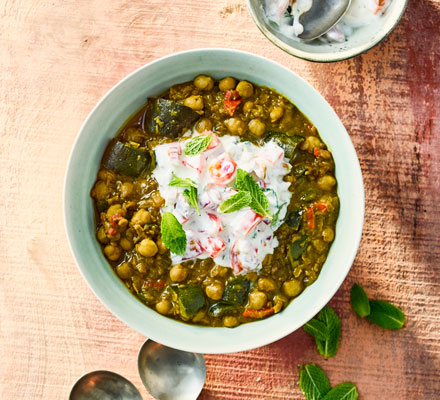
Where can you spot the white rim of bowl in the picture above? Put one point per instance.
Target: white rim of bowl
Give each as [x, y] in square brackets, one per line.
[320, 57]
[231, 347]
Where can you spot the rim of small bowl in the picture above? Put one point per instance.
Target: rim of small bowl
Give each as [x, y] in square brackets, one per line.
[200, 339]
[328, 57]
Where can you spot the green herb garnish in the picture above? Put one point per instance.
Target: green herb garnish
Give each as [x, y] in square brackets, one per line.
[181, 182]
[259, 202]
[313, 382]
[327, 332]
[197, 145]
[277, 215]
[359, 301]
[173, 235]
[236, 202]
[191, 196]
[343, 391]
[386, 315]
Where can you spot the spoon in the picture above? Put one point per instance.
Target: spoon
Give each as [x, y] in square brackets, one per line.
[104, 385]
[170, 374]
[321, 17]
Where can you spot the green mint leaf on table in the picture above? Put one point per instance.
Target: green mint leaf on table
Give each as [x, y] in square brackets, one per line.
[313, 382]
[359, 301]
[317, 329]
[236, 202]
[343, 391]
[329, 346]
[386, 315]
[191, 196]
[173, 235]
[181, 182]
[197, 145]
[246, 183]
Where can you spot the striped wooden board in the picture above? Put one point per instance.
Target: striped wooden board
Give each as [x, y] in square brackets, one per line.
[57, 58]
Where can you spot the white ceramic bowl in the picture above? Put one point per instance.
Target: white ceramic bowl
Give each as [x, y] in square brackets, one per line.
[102, 124]
[359, 42]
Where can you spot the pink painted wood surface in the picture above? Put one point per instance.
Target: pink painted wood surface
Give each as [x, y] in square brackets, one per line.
[57, 58]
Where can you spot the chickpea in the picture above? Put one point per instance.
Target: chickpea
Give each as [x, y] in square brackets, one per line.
[267, 284]
[141, 217]
[100, 190]
[112, 252]
[160, 246]
[203, 82]
[245, 89]
[214, 291]
[124, 271]
[227, 84]
[292, 288]
[325, 154]
[163, 307]
[257, 300]
[106, 175]
[126, 189]
[102, 237]
[276, 113]
[123, 222]
[194, 102]
[248, 106]
[116, 209]
[326, 182]
[178, 273]
[147, 248]
[328, 234]
[310, 143]
[157, 199]
[257, 127]
[218, 270]
[204, 124]
[126, 244]
[236, 126]
[230, 321]
[319, 245]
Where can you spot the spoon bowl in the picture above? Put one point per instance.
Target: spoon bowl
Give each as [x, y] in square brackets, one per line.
[170, 374]
[104, 385]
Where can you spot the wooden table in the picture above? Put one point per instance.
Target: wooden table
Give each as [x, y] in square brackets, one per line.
[57, 58]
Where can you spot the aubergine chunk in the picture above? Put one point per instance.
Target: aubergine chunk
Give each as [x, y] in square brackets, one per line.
[126, 160]
[236, 291]
[166, 117]
[222, 308]
[190, 300]
[298, 247]
[286, 142]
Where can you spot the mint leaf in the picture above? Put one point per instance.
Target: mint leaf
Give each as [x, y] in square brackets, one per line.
[343, 391]
[277, 215]
[316, 329]
[359, 301]
[173, 235]
[181, 182]
[197, 145]
[191, 196]
[329, 347]
[259, 202]
[236, 202]
[386, 315]
[313, 382]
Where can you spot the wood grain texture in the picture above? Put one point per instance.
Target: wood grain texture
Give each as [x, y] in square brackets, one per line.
[57, 58]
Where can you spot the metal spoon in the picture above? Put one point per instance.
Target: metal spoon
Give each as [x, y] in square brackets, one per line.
[321, 17]
[170, 374]
[103, 385]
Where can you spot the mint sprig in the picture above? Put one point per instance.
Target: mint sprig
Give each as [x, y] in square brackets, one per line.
[191, 196]
[173, 235]
[313, 382]
[197, 145]
[259, 202]
[236, 202]
[181, 182]
[359, 301]
[343, 391]
[326, 329]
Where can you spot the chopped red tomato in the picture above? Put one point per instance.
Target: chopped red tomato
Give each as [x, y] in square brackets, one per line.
[251, 221]
[215, 140]
[213, 246]
[258, 313]
[237, 266]
[310, 214]
[321, 206]
[114, 219]
[222, 169]
[151, 284]
[217, 221]
[232, 101]
[112, 231]
[316, 152]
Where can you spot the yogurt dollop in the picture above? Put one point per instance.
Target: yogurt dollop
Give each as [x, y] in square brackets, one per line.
[240, 239]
